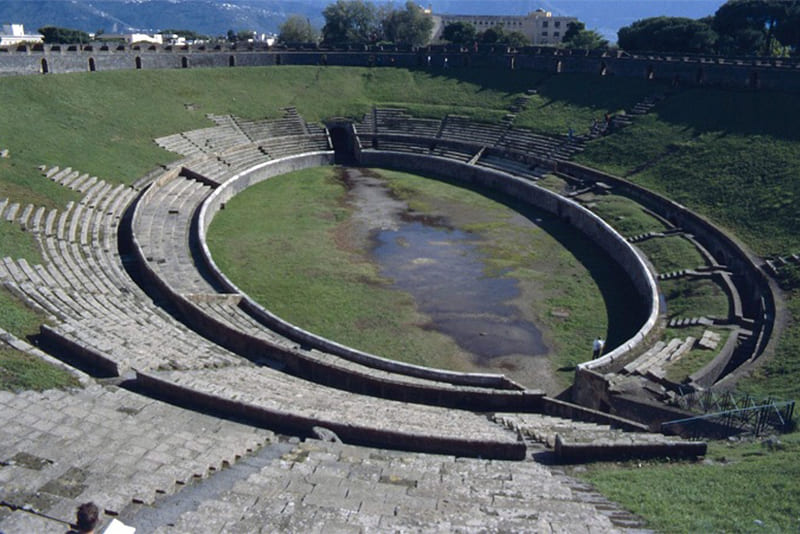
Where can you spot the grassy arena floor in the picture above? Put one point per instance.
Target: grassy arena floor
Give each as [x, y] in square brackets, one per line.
[310, 272]
[732, 156]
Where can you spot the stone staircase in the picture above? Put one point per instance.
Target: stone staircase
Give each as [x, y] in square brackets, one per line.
[576, 441]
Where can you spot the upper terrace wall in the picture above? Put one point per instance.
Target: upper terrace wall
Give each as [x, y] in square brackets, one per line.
[684, 69]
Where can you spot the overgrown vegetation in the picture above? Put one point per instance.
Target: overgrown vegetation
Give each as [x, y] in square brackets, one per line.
[751, 486]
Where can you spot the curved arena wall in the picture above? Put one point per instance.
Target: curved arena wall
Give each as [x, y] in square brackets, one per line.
[582, 219]
[239, 183]
[592, 226]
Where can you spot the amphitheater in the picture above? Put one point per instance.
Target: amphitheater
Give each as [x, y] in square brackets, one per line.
[205, 408]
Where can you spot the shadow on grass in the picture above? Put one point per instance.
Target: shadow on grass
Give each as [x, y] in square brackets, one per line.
[700, 110]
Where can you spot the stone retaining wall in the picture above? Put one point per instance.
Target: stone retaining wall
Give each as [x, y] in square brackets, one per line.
[681, 69]
[756, 290]
[481, 392]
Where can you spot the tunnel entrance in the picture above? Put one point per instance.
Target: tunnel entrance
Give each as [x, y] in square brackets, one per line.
[343, 143]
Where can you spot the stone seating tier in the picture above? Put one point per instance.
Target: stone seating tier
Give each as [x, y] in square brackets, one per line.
[463, 129]
[136, 450]
[580, 441]
[332, 487]
[278, 401]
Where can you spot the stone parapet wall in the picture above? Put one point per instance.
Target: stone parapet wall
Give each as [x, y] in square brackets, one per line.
[298, 424]
[768, 73]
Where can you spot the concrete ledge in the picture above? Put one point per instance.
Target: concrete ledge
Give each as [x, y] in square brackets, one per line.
[355, 434]
[87, 356]
[592, 452]
[576, 412]
[713, 370]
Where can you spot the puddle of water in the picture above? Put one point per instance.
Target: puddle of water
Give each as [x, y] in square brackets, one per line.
[443, 270]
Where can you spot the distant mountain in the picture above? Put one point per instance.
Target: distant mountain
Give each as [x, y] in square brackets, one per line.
[216, 17]
[209, 17]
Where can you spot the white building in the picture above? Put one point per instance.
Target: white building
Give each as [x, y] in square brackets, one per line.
[144, 38]
[540, 26]
[15, 33]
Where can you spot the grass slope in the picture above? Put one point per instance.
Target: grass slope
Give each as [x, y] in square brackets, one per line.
[742, 487]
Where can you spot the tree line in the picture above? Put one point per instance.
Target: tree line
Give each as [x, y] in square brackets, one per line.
[739, 27]
[359, 22]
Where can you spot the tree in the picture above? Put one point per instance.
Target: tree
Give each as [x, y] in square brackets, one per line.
[460, 33]
[750, 26]
[245, 35]
[409, 26]
[573, 29]
[56, 35]
[668, 34]
[349, 22]
[517, 39]
[788, 30]
[493, 35]
[577, 36]
[297, 29]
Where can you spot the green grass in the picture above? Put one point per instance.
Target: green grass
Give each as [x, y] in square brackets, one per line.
[288, 260]
[626, 216]
[574, 100]
[20, 371]
[671, 253]
[732, 156]
[16, 243]
[745, 487]
[308, 274]
[694, 298]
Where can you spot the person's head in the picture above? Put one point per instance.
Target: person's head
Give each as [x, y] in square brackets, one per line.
[87, 517]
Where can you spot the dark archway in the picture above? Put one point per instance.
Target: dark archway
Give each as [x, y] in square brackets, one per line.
[45, 68]
[92, 65]
[184, 62]
[138, 61]
[752, 81]
[232, 61]
[343, 142]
